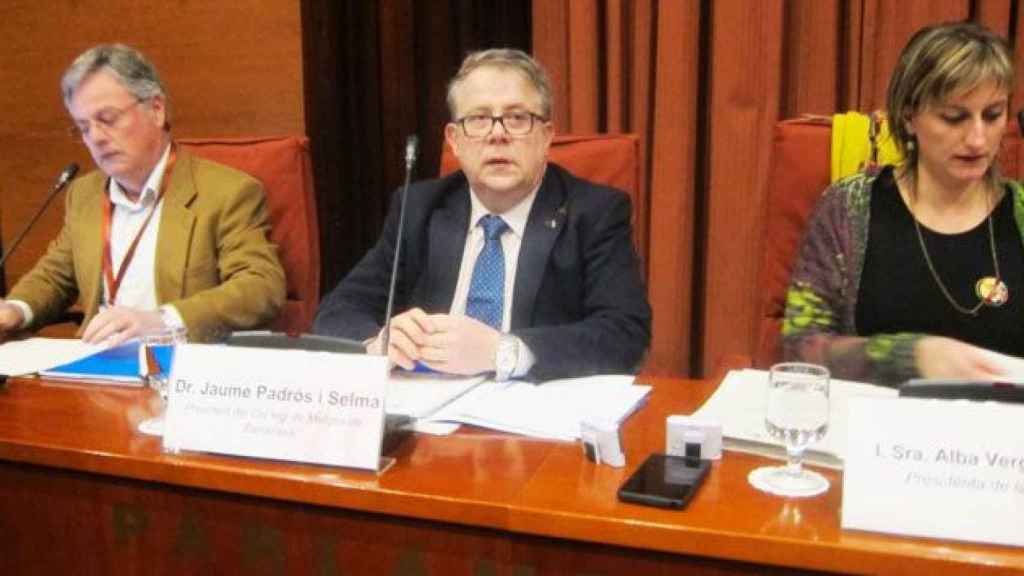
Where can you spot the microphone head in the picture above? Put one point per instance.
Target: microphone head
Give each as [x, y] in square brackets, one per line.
[412, 145]
[67, 174]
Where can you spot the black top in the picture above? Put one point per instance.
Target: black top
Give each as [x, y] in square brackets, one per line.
[899, 294]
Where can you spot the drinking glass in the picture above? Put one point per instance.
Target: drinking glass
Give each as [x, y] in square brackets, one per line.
[156, 355]
[796, 415]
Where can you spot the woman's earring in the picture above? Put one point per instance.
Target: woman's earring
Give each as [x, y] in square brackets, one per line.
[911, 145]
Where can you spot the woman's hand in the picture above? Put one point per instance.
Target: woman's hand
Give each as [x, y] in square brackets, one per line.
[946, 358]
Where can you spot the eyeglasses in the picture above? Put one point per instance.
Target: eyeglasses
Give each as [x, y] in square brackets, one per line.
[108, 119]
[514, 123]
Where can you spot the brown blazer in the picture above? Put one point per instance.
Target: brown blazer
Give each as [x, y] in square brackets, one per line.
[214, 262]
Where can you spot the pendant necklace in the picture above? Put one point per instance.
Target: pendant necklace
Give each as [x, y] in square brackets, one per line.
[990, 290]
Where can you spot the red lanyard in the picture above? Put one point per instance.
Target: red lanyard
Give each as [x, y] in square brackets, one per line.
[114, 282]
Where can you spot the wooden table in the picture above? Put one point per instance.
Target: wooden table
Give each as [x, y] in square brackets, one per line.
[82, 492]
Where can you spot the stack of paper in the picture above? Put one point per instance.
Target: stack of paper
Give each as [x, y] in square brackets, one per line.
[739, 405]
[420, 395]
[552, 410]
[22, 357]
[71, 359]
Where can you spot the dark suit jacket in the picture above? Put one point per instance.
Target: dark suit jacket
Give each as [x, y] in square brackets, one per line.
[579, 302]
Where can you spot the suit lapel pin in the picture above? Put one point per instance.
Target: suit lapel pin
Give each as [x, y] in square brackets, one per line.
[562, 212]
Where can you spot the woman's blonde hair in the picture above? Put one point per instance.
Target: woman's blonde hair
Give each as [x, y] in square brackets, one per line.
[937, 63]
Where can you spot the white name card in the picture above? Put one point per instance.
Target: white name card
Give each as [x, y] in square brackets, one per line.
[316, 407]
[937, 468]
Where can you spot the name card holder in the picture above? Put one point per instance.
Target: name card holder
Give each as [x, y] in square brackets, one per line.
[937, 468]
[315, 407]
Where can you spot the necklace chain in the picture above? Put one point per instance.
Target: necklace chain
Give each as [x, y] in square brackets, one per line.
[935, 275]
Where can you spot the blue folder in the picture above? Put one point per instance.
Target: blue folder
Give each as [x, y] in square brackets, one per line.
[119, 364]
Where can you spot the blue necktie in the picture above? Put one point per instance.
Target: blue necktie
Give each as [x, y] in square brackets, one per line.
[487, 287]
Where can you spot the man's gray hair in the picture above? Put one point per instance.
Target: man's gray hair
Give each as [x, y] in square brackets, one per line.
[125, 63]
[507, 58]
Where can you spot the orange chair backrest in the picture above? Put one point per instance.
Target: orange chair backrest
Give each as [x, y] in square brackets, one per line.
[798, 175]
[283, 165]
[609, 159]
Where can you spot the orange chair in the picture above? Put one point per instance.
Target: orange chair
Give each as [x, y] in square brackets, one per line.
[283, 166]
[610, 159]
[799, 174]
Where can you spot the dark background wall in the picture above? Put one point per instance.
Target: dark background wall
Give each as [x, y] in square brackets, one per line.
[376, 72]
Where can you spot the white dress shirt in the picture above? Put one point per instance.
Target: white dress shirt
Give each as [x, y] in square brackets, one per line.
[138, 289]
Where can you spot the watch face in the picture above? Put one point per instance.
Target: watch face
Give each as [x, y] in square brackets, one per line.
[505, 362]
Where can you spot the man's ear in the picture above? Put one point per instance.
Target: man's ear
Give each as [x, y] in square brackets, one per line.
[159, 108]
[451, 137]
[548, 129]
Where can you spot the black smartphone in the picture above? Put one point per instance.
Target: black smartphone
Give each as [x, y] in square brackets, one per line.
[665, 481]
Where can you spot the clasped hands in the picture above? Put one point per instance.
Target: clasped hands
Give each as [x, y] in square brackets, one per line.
[443, 342]
[112, 326]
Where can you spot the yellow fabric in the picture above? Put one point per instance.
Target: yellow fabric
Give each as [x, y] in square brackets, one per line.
[851, 144]
[214, 261]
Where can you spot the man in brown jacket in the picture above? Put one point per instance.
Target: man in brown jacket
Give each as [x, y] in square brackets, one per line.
[156, 237]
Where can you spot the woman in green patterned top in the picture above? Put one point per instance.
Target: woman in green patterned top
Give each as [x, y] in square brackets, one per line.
[918, 269]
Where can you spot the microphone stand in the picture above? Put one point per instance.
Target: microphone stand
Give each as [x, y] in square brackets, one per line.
[411, 148]
[62, 182]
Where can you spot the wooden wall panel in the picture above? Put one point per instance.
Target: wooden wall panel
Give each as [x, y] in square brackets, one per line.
[994, 14]
[551, 47]
[231, 68]
[886, 28]
[1018, 53]
[743, 108]
[674, 172]
[812, 57]
[638, 29]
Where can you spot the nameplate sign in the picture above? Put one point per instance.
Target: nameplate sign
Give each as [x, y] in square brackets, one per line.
[936, 468]
[316, 407]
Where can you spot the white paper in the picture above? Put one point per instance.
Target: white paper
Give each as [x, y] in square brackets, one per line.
[22, 357]
[739, 405]
[434, 428]
[420, 395]
[1011, 366]
[552, 410]
[936, 468]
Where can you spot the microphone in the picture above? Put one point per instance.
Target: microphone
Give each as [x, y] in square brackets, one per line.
[62, 182]
[411, 149]
[412, 145]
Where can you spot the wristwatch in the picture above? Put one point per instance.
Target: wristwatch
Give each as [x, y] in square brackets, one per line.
[506, 355]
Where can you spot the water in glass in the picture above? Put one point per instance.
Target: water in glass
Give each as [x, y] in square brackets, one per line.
[156, 354]
[796, 414]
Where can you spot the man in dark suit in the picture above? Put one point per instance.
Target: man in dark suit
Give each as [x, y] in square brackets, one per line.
[511, 265]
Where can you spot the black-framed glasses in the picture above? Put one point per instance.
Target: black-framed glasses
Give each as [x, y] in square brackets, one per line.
[514, 123]
[108, 119]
